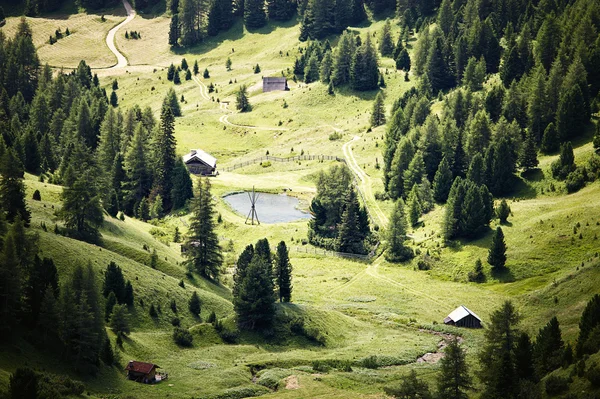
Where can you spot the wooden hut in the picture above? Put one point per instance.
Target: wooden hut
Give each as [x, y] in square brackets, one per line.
[463, 317]
[199, 162]
[275, 84]
[141, 372]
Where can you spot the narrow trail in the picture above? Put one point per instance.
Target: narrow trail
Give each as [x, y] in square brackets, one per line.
[203, 88]
[365, 181]
[110, 38]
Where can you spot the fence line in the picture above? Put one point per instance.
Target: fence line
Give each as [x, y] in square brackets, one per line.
[281, 159]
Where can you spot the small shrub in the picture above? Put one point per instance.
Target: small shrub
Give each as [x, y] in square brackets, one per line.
[320, 366]
[369, 362]
[175, 322]
[265, 164]
[212, 318]
[182, 337]
[575, 180]
[37, 196]
[556, 385]
[335, 136]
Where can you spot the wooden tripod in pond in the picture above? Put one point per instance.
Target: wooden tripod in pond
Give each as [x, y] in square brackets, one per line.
[252, 214]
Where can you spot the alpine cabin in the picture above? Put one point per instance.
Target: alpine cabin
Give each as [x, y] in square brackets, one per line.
[141, 372]
[275, 84]
[463, 317]
[199, 162]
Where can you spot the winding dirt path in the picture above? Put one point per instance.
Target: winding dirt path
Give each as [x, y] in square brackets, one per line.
[365, 181]
[110, 38]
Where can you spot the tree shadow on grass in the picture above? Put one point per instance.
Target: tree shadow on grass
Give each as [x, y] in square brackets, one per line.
[533, 175]
[503, 275]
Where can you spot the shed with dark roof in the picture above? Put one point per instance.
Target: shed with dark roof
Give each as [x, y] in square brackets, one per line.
[463, 317]
[199, 162]
[141, 372]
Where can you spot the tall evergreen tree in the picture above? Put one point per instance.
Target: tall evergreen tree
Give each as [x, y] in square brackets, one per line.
[548, 348]
[203, 253]
[255, 15]
[378, 113]
[497, 252]
[164, 156]
[82, 209]
[454, 379]
[342, 60]
[397, 250]
[11, 273]
[528, 159]
[284, 273]
[174, 30]
[364, 72]
[182, 185]
[442, 181]
[349, 240]
[588, 323]
[386, 42]
[138, 177]
[241, 100]
[12, 188]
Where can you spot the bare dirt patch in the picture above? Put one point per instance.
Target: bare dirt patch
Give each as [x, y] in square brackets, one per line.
[292, 382]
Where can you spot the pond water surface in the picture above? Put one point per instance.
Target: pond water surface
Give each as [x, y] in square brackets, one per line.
[271, 208]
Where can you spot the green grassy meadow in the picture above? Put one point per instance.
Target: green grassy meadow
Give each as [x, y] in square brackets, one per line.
[359, 309]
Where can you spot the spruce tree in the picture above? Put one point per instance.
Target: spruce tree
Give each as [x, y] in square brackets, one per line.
[11, 273]
[164, 156]
[454, 380]
[254, 299]
[194, 304]
[386, 42]
[138, 179]
[182, 189]
[254, 14]
[203, 253]
[550, 142]
[411, 387]
[326, 67]
[12, 188]
[82, 210]
[589, 321]
[548, 348]
[196, 67]
[48, 316]
[378, 113]
[415, 173]
[109, 305]
[570, 119]
[403, 60]
[396, 235]
[172, 101]
[241, 100]
[497, 252]
[343, 60]
[498, 371]
[174, 30]
[358, 12]
[311, 71]
[284, 273]
[348, 239]
[528, 159]
[414, 206]
[364, 72]
[524, 357]
[442, 181]
[503, 211]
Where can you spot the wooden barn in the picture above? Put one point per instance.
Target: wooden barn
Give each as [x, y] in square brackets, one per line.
[141, 372]
[463, 317]
[275, 84]
[199, 162]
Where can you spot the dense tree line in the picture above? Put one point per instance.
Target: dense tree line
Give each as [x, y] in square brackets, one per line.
[339, 222]
[63, 128]
[548, 86]
[261, 278]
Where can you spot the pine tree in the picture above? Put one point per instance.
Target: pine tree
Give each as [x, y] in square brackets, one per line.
[194, 304]
[403, 60]
[437, 68]
[528, 158]
[397, 250]
[12, 188]
[174, 30]
[524, 357]
[343, 60]
[281, 10]
[172, 101]
[284, 273]
[548, 348]
[497, 252]
[386, 43]
[326, 67]
[476, 172]
[164, 156]
[119, 322]
[82, 210]
[454, 379]
[442, 181]
[10, 285]
[254, 300]
[203, 253]
[177, 77]
[364, 72]
[48, 316]
[182, 185]
[477, 275]
[401, 160]
[378, 113]
[206, 74]
[570, 120]
[503, 211]
[311, 71]
[138, 178]
[445, 17]
[498, 372]
[415, 172]
[196, 67]
[550, 142]
[358, 12]
[589, 321]
[414, 206]
[42, 274]
[254, 14]
[241, 100]
[348, 240]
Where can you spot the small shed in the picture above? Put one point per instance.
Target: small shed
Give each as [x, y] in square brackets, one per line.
[463, 317]
[141, 372]
[199, 162]
[275, 84]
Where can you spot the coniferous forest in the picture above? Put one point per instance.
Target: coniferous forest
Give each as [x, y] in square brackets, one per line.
[437, 153]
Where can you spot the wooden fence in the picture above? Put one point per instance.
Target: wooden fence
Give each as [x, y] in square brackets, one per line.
[281, 159]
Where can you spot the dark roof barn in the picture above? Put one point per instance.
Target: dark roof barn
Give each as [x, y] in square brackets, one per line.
[141, 372]
[200, 163]
[463, 317]
[275, 84]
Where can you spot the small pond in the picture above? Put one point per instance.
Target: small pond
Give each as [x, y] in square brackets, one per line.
[271, 208]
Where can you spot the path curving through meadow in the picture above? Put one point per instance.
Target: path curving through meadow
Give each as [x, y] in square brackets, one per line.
[110, 38]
